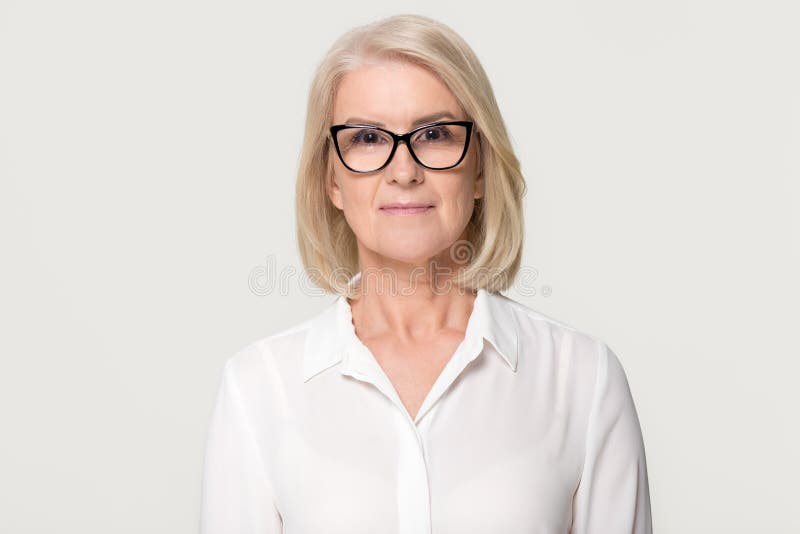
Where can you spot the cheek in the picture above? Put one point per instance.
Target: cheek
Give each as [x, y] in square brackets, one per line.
[462, 187]
[462, 197]
[465, 204]
[357, 196]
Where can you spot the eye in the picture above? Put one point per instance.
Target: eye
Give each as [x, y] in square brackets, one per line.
[433, 134]
[366, 136]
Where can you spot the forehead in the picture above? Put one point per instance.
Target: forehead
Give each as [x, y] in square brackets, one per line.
[392, 92]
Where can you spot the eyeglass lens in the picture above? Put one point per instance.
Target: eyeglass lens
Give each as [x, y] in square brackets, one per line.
[365, 149]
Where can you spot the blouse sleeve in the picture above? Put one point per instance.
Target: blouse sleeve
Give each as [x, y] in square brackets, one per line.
[613, 495]
[236, 495]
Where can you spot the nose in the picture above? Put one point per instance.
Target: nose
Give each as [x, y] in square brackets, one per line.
[403, 168]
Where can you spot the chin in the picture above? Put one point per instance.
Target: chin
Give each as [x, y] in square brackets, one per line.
[412, 251]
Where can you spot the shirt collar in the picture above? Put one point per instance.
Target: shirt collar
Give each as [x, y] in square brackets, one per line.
[331, 332]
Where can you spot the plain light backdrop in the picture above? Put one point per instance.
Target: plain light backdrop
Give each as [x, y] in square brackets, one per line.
[148, 153]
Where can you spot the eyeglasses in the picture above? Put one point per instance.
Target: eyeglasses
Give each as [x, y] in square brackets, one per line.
[437, 146]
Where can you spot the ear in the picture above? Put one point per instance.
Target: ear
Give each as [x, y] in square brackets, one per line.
[333, 190]
[480, 185]
[331, 184]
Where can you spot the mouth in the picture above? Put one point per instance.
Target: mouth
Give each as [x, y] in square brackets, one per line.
[406, 209]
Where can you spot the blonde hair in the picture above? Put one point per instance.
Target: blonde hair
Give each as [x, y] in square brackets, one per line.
[327, 245]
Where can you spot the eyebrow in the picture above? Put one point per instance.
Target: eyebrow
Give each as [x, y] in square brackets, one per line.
[433, 117]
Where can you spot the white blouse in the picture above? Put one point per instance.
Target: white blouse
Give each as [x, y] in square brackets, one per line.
[534, 432]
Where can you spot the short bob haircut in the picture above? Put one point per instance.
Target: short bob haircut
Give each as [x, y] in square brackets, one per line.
[327, 245]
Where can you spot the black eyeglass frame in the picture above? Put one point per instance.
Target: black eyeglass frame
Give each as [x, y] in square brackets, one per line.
[397, 138]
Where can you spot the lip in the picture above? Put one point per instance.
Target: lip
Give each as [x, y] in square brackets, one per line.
[393, 205]
[408, 208]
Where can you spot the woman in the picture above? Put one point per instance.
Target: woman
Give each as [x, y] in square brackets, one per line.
[422, 400]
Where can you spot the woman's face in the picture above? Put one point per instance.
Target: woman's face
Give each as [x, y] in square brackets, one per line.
[398, 95]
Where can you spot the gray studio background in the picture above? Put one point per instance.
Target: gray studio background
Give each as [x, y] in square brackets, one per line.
[147, 157]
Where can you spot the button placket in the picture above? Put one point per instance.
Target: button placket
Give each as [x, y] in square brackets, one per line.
[413, 484]
[413, 489]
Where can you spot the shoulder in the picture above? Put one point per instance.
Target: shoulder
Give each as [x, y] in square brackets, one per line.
[549, 343]
[542, 332]
[282, 354]
[272, 355]
[530, 320]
